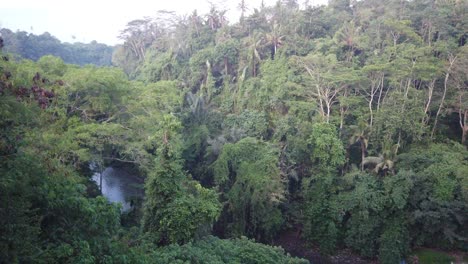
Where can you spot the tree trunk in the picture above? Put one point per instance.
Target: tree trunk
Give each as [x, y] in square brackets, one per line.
[254, 70]
[380, 92]
[322, 108]
[429, 99]
[328, 110]
[447, 75]
[363, 153]
[226, 65]
[343, 111]
[371, 111]
[463, 140]
[463, 124]
[274, 53]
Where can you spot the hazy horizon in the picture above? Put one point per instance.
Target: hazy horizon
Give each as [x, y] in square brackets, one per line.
[102, 21]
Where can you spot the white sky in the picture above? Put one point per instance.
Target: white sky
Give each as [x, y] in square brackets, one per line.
[102, 20]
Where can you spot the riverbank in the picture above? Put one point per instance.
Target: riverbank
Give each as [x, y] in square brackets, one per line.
[292, 243]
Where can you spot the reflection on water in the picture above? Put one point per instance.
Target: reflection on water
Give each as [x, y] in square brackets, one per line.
[118, 186]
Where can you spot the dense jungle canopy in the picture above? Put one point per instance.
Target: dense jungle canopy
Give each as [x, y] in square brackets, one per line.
[345, 124]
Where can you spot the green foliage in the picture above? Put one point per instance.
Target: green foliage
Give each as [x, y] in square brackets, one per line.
[226, 54]
[45, 209]
[158, 67]
[95, 93]
[274, 84]
[247, 173]
[394, 241]
[327, 149]
[194, 150]
[176, 206]
[215, 250]
[365, 202]
[275, 112]
[199, 66]
[251, 123]
[19, 224]
[438, 199]
[376, 210]
[52, 66]
[399, 120]
[322, 217]
[175, 213]
[147, 109]
[429, 256]
[321, 208]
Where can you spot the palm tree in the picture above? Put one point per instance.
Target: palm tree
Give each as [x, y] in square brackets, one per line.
[216, 19]
[195, 22]
[275, 39]
[384, 163]
[254, 43]
[361, 135]
[243, 8]
[197, 105]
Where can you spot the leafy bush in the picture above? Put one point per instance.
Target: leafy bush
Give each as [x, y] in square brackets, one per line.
[215, 250]
[429, 256]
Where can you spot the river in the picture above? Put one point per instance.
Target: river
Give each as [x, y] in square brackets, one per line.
[119, 186]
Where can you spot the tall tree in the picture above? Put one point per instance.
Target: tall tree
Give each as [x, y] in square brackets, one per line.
[328, 78]
[176, 207]
[247, 173]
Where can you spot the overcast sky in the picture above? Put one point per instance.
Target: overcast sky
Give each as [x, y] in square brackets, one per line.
[99, 20]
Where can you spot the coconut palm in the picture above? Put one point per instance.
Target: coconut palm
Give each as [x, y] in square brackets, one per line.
[360, 134]
[254, 44]
[197, 105]
[275, 38]
[384, 163]
[216, 19]
[242, 6]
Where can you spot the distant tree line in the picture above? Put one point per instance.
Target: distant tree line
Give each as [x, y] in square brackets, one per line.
[33, 47]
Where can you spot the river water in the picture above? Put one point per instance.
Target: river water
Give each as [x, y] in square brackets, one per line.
[119, 186]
